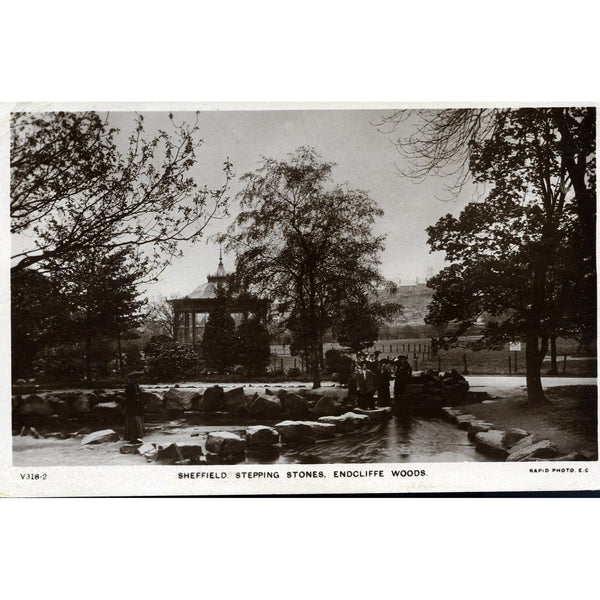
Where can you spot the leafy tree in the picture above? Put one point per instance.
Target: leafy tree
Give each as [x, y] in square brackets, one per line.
[253, 350]
[101, 292]
[166, 359]
[219, 340]
[304, 244]
[359, 318]
[513, 256]
[74, 190]
[38, 317]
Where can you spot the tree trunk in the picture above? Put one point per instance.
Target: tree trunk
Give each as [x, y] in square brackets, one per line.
[88, 358]
[553, 363]
[120, 354]
[535, 392]
[316, 366]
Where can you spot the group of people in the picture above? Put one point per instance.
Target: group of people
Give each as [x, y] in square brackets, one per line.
[372, 375]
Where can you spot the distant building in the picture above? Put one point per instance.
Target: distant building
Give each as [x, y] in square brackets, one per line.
[191, 311]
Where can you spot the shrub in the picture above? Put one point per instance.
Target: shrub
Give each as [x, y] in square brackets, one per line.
[166, 359]
[336, 362]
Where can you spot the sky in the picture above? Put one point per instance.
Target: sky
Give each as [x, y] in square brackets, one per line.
[366, 159]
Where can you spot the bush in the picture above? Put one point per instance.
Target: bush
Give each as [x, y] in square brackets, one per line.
[166, 359]
[253, 350]
[294, 372]
[60, 361]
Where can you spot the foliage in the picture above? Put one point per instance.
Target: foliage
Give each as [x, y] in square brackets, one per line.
[38, 317]
[75, 190]
[513, 256]
[253, 351]
[304, 243]
[160, 312]
[219, 341]
[165, 359]
[359, 318]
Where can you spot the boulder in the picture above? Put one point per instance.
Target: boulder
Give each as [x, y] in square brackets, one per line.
[60, 407]
[212, 399]
[81, 404]
[265, 406]
[16, 401]
[524, 443]
[180, 399]
[261, 435]
[463, 421]
[35, 406]
[148, 451]
[450, 413]
[295, 404]
[490, 442]
[168, 453]
[130, 448]
[377, 415]
[109, 408]
[295, 432]
[347, 422]
[477, 426]
[153, 403]
[512, 436]
[568, 457]
[225, 443]
[234, 400]
[321, 430]
[100, 437]
[542, 449]
[326, 406]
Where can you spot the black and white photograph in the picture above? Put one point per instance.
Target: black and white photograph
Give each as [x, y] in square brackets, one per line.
[303, 287]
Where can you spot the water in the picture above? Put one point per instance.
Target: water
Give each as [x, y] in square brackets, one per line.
[403, 439]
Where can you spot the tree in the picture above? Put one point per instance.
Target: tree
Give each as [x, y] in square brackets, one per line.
[219, 340]
[101, 293]
[304, 244]
[73, 190]
[38, 318]
[160, 311]
[513, 256]
[359, 318]
[253, 351]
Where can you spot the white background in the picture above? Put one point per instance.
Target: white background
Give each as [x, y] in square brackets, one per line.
[300, 51]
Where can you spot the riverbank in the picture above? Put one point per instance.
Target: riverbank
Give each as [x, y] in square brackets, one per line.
[569, 420]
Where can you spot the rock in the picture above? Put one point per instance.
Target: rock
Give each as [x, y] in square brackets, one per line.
[100, 437]
[268, 392]
[512, 436]
[295, 404]
[450, 413]
[295, 432]
[153, 403]
[225, 443]
[168, 454]
[490, 442]
[326, 406]
[321, 430]
[35, 406]
[463, 421]
[573, 456]
[107, 408]
[542, 449]
[180, 399]
[81, 404]
[261, 435]
[60, 407]
[148, 451]
[234, 400]
[524, 443]
[130, 448]
[212, 399]
[265, 406]
[347, 422]
[377, 415]
[475, 427]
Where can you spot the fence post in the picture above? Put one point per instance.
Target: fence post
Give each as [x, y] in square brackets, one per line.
[466, 370]
[509, 365]
[439, 364]
[516, 368]
[564, 363]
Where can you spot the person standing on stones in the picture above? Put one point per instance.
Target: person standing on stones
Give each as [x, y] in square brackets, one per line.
[402, 376]
[133, 410]
[365, 386]
[383, 383]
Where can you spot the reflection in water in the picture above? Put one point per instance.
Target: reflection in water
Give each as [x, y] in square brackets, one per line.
[402, 439]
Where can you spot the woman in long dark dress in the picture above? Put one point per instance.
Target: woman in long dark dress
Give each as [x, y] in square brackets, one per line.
[383, 384]
[134, 410]
[402, 376]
